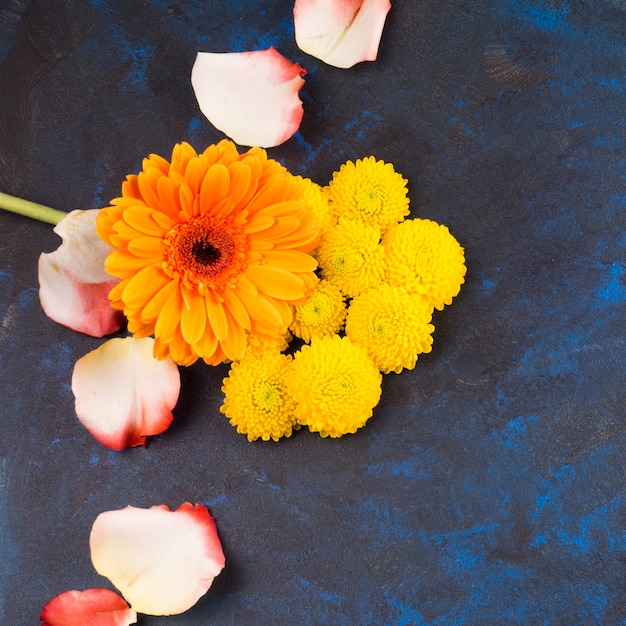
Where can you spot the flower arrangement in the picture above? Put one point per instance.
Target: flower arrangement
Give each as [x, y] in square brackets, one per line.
[311, 293]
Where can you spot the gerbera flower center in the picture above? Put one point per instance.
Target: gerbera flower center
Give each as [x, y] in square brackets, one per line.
[205, 253]
[369, 200]
[267, 396]
[205, 250]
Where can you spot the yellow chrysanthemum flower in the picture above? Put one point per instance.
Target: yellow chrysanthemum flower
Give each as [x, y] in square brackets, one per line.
[424, 258]
[256, 399]
[392, 325]
[210, 249]
[351, 257]
[370, 191]
[336, 386]
[259, 344]
[315, 197]
[322, 315]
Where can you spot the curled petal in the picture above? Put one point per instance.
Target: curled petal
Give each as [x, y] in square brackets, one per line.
[73, 286]
[340, 32]
[250, 96]
[96, 607]
[123, 394]
[162, 561]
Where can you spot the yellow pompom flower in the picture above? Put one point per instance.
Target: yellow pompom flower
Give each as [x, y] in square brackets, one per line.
[424, 258]
[259, 344]
[370, 191]
[336, 386]
[256, 399]
[352, 257]
[322, 315]
[392, 325]
[316, 198]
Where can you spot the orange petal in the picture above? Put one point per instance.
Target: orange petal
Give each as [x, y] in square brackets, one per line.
[236, 308]
[250, 96]
[207, 344]
[284, 208]
[214, 186]
[291, 260]
[169, 316]
[193, 317]
[140, 218]
[147, 182]
[169, 196]
[151, 311]
[194, 174]
[147, 247]
[217, 357]
[179, 350]
[263, 315]
[217, 317]
[272, 192]
[186, 202]
[242, 184]
[276, 282]
[283, 227]
[234, 345]
[123, 265]
[144, 285]
[256, 224]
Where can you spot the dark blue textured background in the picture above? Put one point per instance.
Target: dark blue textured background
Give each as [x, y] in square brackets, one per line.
[489, 486]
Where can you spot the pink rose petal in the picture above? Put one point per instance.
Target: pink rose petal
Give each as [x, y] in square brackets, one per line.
[123, 394]
[340, 32]
[73, 286]
[162, 561]
[96, 607]
[250, 96]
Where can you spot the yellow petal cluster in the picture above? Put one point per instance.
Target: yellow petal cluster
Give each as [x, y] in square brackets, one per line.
[316, 198]
[350, 256]
[424, 258]
[256, 399]
[381, 277]
[370, 191]
[392, 325]
[322, 315]
[336, 386]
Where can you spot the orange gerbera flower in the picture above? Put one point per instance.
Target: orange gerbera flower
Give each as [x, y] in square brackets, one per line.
[211, 249]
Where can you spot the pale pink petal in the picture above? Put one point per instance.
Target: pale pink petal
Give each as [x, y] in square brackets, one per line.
[250, 96]
[73, 286]
[162, 561]
[123, 394]
[340, 32]
[96, 607]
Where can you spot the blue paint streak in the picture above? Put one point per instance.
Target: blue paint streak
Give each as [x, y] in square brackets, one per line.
[408, 616]
[487, 287]
[139, 59]
[544, 18]
[613, 289]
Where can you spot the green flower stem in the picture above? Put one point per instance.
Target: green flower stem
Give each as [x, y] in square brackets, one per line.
[31, 209]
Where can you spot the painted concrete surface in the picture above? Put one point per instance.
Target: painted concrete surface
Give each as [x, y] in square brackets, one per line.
[489, 487]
